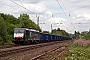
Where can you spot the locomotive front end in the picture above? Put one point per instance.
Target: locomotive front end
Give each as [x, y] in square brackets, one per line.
[18, 37]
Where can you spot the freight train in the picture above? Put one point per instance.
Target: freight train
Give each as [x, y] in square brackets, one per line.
[29, 36]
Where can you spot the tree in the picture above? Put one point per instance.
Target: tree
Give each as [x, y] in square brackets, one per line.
[58, 29]
[59, 32]
[27, 22]
[9, 18]
[3, 31]
[53, 31]
[23, 19]
[46, 32]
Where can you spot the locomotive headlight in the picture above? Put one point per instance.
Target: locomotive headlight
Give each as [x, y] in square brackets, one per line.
[18, 34]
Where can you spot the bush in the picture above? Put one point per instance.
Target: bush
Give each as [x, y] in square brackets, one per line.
[78, 53]
[1, 41]
[87, 37]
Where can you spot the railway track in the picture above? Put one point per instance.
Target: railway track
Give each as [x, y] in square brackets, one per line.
[7, 46]
[12, 50]
[39, 57]
[42, 56]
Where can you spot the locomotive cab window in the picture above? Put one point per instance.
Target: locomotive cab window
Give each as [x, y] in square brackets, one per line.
[18, 31]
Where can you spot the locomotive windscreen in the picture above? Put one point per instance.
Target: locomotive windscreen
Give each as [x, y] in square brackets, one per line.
[18, 30]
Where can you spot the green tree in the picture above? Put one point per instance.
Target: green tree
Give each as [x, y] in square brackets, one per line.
[3, 31]
[24, 20]
[46, 32]
[87, 36]
[58, 29]
[9, 18]
[60, 32]
[27, 22]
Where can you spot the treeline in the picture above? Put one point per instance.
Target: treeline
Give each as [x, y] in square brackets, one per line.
[86, 35]
[83, 35]
[9, 22]
[60, 32]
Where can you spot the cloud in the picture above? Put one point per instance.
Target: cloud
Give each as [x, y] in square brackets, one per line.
[80, 22]
[50, 12]
[30, 1]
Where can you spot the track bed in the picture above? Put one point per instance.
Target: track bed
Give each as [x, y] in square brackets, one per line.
[31, 51]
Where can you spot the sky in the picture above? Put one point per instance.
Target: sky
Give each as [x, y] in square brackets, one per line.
[69, 15]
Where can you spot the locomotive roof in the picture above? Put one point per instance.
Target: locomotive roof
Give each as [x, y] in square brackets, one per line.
[19, 28]
[27, 29]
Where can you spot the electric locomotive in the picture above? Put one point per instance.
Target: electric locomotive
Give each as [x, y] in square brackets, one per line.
[24, 36]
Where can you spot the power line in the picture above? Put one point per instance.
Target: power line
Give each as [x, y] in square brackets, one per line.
[39, 9]
[61, 8]
[65, 9]
[30, 2]
[76, 9]
[79, 8]
[22, 7]
[28, 10]
[64, 5]
[7, 4]
[36, 6]
[21, 2]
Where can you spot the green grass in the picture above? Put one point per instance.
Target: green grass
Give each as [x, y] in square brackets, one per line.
[77, 53]
[11, 58]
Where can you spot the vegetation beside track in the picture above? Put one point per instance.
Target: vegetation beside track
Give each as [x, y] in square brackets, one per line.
[79, 50]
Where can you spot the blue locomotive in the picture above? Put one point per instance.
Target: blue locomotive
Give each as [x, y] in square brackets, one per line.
[29, 36]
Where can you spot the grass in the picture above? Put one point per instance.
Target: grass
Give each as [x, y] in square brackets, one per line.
[78, 52]
[11, 58]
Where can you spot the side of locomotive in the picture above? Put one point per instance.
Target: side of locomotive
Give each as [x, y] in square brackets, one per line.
[25, 36]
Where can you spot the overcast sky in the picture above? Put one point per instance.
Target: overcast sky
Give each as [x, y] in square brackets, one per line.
[72, 15]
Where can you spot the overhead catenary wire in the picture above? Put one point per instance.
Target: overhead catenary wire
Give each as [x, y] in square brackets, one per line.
[37, 6]
[21, 2]
[39, 9]
[61, 8]
[64, 6]
[25, 8]
[74, 9]
[22, 7]
[7, 4]
[30, 2]
[66, 10]
[79, 8]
